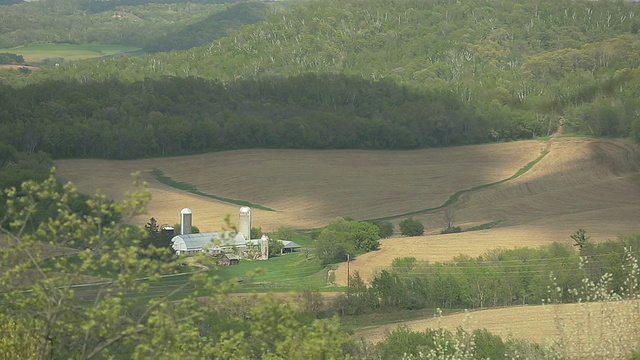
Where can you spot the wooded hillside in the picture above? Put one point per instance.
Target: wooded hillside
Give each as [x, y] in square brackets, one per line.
[354, 74]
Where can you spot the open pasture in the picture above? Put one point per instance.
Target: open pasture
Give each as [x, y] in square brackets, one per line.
[38, 52]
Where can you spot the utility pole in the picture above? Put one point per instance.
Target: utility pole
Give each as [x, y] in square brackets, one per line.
[348, 275]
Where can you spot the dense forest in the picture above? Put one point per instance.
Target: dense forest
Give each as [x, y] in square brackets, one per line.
[171, 115]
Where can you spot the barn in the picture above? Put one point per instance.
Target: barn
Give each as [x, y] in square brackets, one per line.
[216, 243]
[211, 242]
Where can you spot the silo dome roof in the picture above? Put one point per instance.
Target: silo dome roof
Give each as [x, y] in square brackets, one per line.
[245, 210]
[185, 211]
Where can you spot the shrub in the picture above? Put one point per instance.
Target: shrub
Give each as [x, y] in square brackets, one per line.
[411, 227]
[342, 238]
[488, 345]
[385, 228]
[452, 230]
[256, 233]
[284, 233]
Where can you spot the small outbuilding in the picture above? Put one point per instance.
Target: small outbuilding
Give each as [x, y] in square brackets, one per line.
[229, 259]
[288, 246]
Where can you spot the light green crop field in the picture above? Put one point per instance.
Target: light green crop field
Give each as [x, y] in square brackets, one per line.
[39, 52]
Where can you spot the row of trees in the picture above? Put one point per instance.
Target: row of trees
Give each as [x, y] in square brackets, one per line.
[550, 274]
[10, 58]
[171, 116]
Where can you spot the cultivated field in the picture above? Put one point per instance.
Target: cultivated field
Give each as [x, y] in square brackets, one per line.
[39, 52]
[307, 188]
[588, 183]
[581, 183]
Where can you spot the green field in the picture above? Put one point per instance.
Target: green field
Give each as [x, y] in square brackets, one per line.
[39, 52]
[285, 273]
[288, 272]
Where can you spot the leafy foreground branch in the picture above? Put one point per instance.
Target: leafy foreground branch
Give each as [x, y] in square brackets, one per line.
[44, 316]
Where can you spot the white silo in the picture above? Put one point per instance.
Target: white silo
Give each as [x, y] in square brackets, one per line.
[244, 227]
[264, 247]
[186, 220]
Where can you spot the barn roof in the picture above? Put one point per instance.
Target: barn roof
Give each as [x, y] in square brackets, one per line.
[286, 244]
[208, 240]
[289, 244]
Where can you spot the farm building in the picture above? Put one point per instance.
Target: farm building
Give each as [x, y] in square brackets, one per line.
[288, 246]
[229, 259]
[216, 243]
[212, 242]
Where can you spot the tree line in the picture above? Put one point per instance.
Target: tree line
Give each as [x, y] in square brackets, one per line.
[172, 116]
[550, 274]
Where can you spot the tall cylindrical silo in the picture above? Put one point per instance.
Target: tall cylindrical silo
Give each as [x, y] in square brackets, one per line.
[244, 227]
[186, 220]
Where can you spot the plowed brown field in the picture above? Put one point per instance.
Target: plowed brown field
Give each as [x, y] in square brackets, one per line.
[307, 188]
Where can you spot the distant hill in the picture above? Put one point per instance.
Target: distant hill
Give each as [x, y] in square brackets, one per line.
[157, 25]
